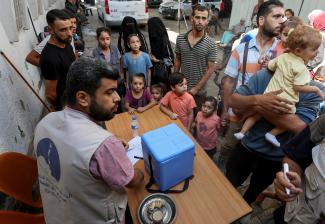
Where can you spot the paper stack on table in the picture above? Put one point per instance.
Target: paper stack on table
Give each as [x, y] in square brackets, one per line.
[135, 150]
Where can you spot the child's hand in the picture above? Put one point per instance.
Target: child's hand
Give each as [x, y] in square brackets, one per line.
[173, 116]
[131, 111]
[140, 109]
[264, 60]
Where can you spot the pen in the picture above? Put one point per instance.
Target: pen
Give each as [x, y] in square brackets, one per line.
[285, 171]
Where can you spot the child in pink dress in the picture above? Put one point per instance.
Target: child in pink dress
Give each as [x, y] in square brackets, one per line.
[207, 124]
[178, 103]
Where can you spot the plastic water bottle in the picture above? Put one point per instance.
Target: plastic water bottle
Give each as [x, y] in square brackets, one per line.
[134, 126]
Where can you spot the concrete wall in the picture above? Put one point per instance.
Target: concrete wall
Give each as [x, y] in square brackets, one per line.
[244, 9]
[20, 110]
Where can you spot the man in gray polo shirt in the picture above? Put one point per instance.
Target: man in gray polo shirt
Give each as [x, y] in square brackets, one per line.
[196, 54]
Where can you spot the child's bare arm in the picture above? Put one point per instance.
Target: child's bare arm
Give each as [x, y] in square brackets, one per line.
[190, 119]
[149, 77]
[218, 126]
[122, 70]
[168, 112]
[127, 80]
[272, 65]
[309, 89]
[147, 107]
[128, 108]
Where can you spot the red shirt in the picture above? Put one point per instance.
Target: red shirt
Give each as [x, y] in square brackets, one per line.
[207, 130]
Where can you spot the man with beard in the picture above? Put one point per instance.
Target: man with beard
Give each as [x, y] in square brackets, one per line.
[269, 18]
[57, 56]
[254, 155]
[196, 54]
[82, 167]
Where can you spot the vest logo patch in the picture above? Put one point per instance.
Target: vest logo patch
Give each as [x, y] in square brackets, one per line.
[47, 149]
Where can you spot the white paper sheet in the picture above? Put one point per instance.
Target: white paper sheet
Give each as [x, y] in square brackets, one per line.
[135, 149]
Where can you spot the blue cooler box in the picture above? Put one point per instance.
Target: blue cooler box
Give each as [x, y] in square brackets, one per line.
[172, 153]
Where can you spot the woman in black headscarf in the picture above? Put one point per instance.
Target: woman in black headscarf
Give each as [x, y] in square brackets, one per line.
[130, 26]
[161, 54]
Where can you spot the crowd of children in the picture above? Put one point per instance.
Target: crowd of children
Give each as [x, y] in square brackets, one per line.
[141, 95]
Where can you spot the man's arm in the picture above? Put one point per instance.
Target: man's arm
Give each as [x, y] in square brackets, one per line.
[33, 58]
[205, 78]
[271, 107]
[228, 84]
[177, 65]
[111, 164]
[50, 91]
[137, 178]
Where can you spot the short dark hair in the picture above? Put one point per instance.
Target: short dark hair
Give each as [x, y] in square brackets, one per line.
[103, 29]
[69, 13]
[56, 14]
[85, 74]
[266, 8]
[291, 11]
[200, 8]
[139, 75]
[212, 100]
[176, 78]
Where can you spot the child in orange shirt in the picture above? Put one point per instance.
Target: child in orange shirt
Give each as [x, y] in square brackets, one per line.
[178, 103]
[207, 124]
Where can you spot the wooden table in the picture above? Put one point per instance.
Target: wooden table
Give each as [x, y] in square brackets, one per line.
[210, 197]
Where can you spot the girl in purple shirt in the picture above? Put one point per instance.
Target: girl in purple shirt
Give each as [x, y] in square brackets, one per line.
[138, 98]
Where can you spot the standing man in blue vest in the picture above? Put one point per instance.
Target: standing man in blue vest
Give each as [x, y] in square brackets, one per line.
[82, 167]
